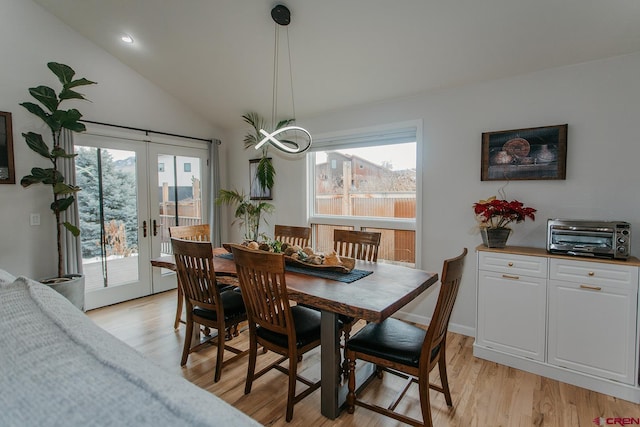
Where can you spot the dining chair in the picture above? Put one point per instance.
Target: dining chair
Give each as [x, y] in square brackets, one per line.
[273, 322]
[409, 351]
[362, 245]
[201, 233]
[206, 303]
[293, 235]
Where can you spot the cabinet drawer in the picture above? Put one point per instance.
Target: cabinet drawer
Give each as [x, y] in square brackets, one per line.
[517, 265]
[593, 273]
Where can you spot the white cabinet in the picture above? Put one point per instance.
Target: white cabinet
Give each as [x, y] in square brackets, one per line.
[571, 319]
[512, 293]
[592, 318]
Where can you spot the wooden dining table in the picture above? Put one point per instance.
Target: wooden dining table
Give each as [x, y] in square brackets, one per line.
[373, 298]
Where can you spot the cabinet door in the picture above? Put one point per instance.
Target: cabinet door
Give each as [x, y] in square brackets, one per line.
[592, 328]
[512, 313]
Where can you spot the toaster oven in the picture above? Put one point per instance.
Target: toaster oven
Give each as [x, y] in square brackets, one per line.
[604, 239]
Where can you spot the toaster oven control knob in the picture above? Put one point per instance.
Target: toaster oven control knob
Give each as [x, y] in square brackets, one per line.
[621, 240]
[622, 249]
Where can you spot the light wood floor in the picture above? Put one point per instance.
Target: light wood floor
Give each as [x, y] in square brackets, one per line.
[484, 393]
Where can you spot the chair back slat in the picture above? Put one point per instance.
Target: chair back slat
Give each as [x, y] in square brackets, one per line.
[199, 232]
[293, 235]
[262, 281]
[194, 265]
[435, 339]
[361, 245]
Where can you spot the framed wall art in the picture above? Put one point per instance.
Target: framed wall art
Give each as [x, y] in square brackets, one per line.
[7, 170]
[525, 154]
[257, 193]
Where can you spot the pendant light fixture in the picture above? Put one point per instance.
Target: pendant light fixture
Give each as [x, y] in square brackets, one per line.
[290, 139]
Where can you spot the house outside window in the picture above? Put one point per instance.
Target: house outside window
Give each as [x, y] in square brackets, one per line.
[160, 167]
[367, 180]
[187, 167]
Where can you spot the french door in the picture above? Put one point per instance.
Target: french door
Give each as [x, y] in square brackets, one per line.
[132, 191]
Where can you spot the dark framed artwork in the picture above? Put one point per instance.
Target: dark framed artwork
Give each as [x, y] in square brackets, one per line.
[257, 193]
[525, 154]
[7, 170]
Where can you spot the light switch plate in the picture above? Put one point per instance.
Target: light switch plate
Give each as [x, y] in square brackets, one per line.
[34, 219]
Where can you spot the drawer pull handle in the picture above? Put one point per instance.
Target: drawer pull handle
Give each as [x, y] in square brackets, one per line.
[593, 288]
[510, 264]
[508, 276]
[591, 274]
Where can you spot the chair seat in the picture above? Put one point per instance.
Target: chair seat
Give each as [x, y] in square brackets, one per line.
[393, 339]
[232, 303]
[306, 322]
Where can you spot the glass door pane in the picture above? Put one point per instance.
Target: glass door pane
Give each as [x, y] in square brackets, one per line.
[177, 198]
[112, 206]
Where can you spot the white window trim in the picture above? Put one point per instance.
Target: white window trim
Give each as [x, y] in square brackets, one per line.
[326, 141]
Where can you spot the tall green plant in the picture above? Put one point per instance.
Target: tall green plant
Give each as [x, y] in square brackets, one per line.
[248, 214]
[265, 173]
[56, 119]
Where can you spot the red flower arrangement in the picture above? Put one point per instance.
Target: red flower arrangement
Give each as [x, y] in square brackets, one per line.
[496, 213]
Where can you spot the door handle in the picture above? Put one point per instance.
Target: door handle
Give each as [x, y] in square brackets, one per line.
[155, 228]
[144, 228]
[508, 276]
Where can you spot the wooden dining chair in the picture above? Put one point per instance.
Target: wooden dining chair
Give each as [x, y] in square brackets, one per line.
[293, 235]
[200, 233]
[362, 245]
[409, 351]
[273, 322]
[206, 304]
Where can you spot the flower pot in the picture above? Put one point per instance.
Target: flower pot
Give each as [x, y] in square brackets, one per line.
[71, 286]
[495, 237]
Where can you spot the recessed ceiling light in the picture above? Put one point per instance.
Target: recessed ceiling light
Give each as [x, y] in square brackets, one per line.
[126, 38]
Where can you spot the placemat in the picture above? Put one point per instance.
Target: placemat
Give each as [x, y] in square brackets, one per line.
[349, 277]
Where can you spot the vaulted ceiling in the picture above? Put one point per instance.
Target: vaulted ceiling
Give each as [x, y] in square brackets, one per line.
[217, 55]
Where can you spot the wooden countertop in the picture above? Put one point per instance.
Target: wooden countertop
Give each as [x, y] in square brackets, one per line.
[525, 250]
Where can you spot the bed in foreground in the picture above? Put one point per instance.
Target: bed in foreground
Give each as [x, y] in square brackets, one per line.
[57, 368]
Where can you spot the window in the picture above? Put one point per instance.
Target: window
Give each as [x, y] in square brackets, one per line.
[367, 180]
[187, 167]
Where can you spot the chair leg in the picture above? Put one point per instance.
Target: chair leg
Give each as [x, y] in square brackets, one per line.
[187, 340]
[176, 323]
[351, 395]
[220, 356]
[442, 367]
[425, 403]
[347, 333]
[251, 366]
[293, 371]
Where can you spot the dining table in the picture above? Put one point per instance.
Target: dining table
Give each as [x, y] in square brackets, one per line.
[380, 290]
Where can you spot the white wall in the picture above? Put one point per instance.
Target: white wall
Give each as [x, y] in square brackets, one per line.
[600, 102]
[29, 38]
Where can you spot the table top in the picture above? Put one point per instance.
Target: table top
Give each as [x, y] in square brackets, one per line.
[372, 298]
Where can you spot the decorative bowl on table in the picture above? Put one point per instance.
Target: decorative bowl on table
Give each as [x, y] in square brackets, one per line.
[345, 266]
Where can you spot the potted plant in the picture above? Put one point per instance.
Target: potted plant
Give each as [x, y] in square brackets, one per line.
[494, 215]
[265, 173]
[248, 214]
[56, 119]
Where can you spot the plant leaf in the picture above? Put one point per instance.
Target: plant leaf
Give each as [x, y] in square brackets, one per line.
[79, 82]
[70, 94]
[35, 109]
[265, 173]
[37, 144]
[63, 204]
[47, 176]
[28, 180]
[64, 72]
[72, 228]
[46, 96]
[62, 188]
[59, 152]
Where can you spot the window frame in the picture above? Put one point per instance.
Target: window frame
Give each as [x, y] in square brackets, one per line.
[358, 139]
